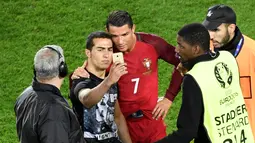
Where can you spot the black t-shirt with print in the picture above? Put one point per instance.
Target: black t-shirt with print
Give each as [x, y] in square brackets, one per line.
[97, 121]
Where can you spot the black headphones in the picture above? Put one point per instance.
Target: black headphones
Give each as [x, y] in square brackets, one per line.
[63, 70]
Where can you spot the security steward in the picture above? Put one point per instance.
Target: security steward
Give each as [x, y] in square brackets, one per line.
[213, 109]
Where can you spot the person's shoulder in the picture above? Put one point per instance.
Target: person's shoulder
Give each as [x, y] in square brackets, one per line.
[147, 36]
[249, 42]
[35, 98]
[152, 39]
[226, 53]
[28, 98]
[25, 94]
[188, 78]
[84, 81]
[190, 83]
[248, 38]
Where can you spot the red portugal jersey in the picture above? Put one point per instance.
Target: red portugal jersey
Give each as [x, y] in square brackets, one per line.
[139, 87]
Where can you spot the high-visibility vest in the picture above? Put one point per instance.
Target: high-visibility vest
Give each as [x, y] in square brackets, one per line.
[225, 116]
[246, 64]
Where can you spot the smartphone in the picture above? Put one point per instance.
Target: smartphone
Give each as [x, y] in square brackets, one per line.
[118, 57]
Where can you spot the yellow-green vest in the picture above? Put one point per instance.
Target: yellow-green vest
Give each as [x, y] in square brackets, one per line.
[225, 116]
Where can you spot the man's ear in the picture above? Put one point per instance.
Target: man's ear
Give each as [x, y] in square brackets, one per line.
[88, 53]
[231, 29]
[133, 28]
[196, 50]
[106, 29]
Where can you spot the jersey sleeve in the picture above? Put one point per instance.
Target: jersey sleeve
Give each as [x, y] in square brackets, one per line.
[77, 85]
[165, 52]
[80, 84]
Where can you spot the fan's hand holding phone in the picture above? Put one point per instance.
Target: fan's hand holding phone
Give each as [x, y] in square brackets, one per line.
[118, 68]
[118, 57]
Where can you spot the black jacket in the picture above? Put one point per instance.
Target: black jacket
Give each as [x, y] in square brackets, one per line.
[44, 116]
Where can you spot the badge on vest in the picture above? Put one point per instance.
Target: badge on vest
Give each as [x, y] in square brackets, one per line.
[223, 75]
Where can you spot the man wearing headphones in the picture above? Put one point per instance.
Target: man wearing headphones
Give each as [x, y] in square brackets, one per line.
[42, 113]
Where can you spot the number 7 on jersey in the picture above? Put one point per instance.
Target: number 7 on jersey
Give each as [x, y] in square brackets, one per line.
[136, 80]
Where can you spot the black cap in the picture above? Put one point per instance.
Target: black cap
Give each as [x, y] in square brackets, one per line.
[219, 14]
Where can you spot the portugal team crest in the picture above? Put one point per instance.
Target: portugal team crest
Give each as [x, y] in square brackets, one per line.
[147, 65]
[223, 74]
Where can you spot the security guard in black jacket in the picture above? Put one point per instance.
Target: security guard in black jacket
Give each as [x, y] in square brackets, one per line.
[42, 113]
